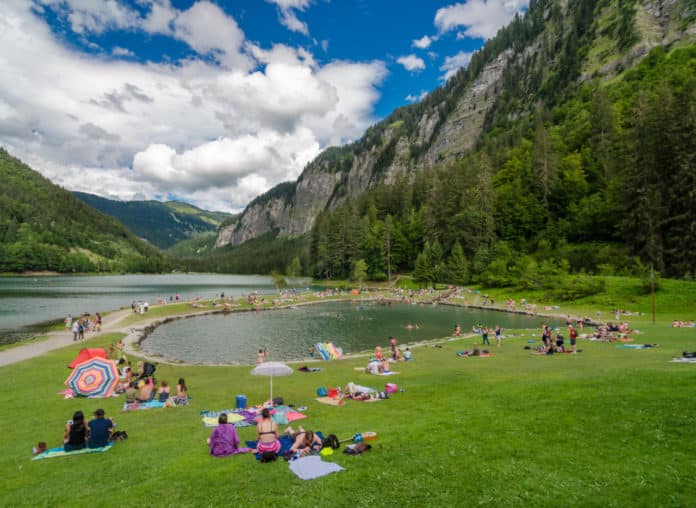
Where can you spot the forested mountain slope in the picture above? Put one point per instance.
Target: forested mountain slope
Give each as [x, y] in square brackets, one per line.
[44, 227]
[161, 224]
[569, 138]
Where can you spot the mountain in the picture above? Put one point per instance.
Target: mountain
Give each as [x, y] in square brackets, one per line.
[161, 224]
[44, 227]
[538, 62]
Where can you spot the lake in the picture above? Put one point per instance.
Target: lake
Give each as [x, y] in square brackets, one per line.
[288, 334]
[26, 301]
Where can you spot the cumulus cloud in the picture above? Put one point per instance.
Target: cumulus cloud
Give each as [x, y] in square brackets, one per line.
[411, 62]
[417, 98]
[288, 17]
[424, 42]
[215, 130]
[119, 51]
[454, 63]
[479, 18]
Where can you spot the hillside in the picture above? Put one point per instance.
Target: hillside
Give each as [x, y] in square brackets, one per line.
[161, 224]
[543, 145]
[44, 227]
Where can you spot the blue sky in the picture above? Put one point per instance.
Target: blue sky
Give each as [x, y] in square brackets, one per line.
[214, 102]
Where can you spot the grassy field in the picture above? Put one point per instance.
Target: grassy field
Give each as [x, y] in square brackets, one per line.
[605, 427]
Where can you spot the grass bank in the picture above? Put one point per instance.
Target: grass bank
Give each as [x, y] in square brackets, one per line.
[608, 427]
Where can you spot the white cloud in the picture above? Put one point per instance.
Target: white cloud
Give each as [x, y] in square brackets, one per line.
[95, 16]
[454, 63]
[424, 42]
[216, 133]
[288, 17]
[480, 18]
[417, 98]
[411, 62]
[119, 51]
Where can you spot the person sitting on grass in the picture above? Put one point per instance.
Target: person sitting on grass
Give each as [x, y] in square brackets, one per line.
[224, 440]
[267, 434]
[181, 393]
[407, 355]
[147, 388]
[100, 430]
[475, 351]
[306, 441]
[75, 435]
[163, 392]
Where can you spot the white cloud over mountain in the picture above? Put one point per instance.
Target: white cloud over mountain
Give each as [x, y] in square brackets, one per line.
[217, 129]
[478, 18]
[411, 62]
[454, 63]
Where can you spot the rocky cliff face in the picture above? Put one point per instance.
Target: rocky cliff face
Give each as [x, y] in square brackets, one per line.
[445, 128]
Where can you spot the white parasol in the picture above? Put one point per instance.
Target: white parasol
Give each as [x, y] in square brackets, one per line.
[271, 369]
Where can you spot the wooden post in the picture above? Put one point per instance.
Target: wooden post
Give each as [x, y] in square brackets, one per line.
[652, 293]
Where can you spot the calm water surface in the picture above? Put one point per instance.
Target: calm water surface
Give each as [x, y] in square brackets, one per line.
[27, 301]
[289, 333]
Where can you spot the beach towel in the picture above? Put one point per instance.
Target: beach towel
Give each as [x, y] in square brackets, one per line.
[330, 401]
[635, 346]
[308, 468]
[210, 418]
[137, 406]
[465, 354]
[684, 360]
[60, 452]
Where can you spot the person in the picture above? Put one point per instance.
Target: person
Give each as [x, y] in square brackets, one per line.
[373, 367]
[573, 334]
[267, 434]
[68, 322]
[559, 342]
[97, 322]
[80, 330]
[224, 440]
[112, 350]
[260, 356]
[307, 441]
[146, 389]
[181, 393]
[385, 368]
[75, 435]
[484, 336]
[120, 346]
[163, 392]
[100, 430]
[498, 334]
[457, 330]
[131, 393]
[75, 329]
[407, 355]
[378, 353]
[475, 351]
[392, 345]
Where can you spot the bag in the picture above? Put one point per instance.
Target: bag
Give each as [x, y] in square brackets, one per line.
[269, 457]
[357, 449]
[331, 441]
[322, 392]
[391, 388]
[148, 369]
[119, 435]
[278, 401]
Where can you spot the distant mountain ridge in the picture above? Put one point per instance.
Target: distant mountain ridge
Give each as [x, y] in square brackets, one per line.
[531, 62]
[43, 227]
[163, 224]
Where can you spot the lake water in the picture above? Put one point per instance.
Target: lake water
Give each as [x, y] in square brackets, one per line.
[26, 301]
[288, 334]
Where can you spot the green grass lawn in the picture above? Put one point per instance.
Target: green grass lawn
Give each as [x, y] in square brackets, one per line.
[606, 427]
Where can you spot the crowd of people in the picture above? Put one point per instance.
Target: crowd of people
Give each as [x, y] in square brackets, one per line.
[82, 324]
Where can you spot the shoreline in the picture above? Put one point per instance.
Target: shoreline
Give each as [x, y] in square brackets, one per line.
[136, 334]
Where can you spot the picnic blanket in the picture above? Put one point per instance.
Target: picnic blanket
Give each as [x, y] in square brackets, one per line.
[310, 467]
[635, 346]
[60, 452]
[283, 415]
[285, 444]
[238, 417]
[137, 406]
[684, 360]
[465, 354]
[330, 401]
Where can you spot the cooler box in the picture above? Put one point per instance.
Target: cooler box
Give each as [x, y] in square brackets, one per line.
[241, 402]
[333, 393]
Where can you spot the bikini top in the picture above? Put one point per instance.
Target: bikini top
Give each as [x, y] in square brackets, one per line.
[267, 432]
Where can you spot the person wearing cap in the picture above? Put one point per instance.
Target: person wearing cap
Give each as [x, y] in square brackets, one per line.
[100, 430]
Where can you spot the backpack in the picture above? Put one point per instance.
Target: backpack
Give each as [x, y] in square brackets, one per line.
[148, 369]
[119, 435]
[269, 456]
[332, 441]
[322, 392]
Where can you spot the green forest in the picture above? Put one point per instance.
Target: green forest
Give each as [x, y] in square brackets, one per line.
[604, 182]
[44, 227]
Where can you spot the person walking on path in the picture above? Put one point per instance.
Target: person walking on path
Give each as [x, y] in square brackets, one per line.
[75, 330]
[484, 336]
